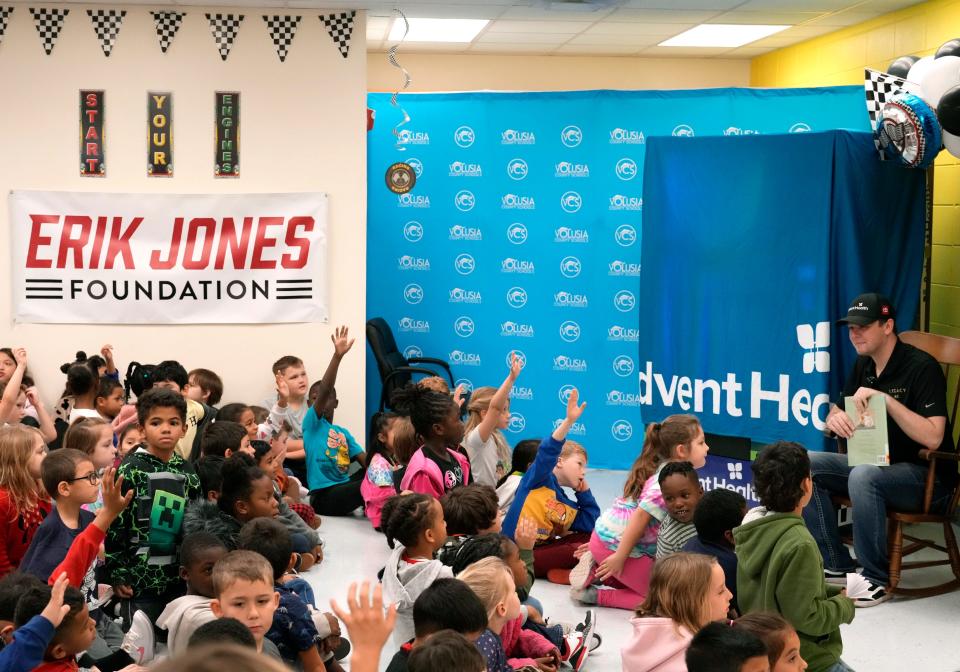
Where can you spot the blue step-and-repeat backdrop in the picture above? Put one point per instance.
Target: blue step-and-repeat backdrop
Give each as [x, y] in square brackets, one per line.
[523, 234]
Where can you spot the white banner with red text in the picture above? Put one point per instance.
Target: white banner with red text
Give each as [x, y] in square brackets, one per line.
[95, 258]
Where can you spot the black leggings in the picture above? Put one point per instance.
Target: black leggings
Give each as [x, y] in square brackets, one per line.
[339, 500]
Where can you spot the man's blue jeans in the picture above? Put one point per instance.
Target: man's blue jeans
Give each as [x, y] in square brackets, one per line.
[871, 490]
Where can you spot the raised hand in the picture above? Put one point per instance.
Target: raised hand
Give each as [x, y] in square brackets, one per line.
[283, 390]
[574, 408]
[20, 356]
[367, 623]
[525, 535]
[341, 341]
[107, 353]
[56, 610]
[113, 501]
[516, 365]
[33, 396]
[458, 395]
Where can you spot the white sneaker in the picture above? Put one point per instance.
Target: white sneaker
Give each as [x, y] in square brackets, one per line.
[139, 642]
[580, 576]
[878, 595]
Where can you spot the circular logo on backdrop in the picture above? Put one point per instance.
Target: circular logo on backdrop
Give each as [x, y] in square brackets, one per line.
[624, 301]
[517, 233]
[625, 235]
[622, 430]
[521, 357]
[571, 202]
[517, 169]
[412, 352]
[463, 136]
[571, 136]
[417, 166]
[465, 264]
[401, 177]
[564, 393]
[570, 331]
[683, 131]
[800, 127]
[413, 231]
[623, 366]
[570, 267]
[465, 382]
[626, 169]
[464, 326]
[464, 200]
[517, 423]
[413, 294]
[517, 297]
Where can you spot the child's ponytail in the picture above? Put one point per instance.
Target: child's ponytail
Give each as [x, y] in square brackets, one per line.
[405, 517]
[659, 445]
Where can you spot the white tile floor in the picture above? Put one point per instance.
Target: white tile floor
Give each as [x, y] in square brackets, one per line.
[903, 634]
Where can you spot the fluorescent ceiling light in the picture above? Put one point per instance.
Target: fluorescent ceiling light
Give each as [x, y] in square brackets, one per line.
[438, 30]
[721, 35]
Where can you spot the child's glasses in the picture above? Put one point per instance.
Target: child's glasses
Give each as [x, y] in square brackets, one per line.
[93, 478]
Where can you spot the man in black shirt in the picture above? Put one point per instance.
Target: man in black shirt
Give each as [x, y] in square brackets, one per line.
[914, 388]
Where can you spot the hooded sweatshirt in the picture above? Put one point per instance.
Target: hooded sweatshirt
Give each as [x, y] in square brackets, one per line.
[779, 568]
[657, 645]
[181, 618]
[424, 476]
[403, 581]
[204, 516]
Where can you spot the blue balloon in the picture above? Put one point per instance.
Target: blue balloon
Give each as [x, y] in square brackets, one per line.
[909, 131]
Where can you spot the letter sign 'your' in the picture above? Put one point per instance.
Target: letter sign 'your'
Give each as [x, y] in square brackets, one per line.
[227, 141]
[159, 134]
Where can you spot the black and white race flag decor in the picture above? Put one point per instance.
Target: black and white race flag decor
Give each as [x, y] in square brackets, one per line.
[5, 13]
[282, 29]
[48, 23]
[106, 23]
[168, 23]
[340, 27]
[224, 28]
[879, 88]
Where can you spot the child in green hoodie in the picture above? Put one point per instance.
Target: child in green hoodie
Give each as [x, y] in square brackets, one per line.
[778, 565]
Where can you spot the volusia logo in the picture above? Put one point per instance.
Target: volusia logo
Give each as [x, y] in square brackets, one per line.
[413, 201]
[520, 393]
[516, 329]
[621, 202]
[458, 295]
[618, 398]
[623, 334]
[460, 232]
[565, 363]
[513, 137]
[622, 136]
[409, 324]
[577, 429]
[461, 169]
[569, 300]
[565, 234]
[624, 269]
[567, 169]
[408, 137]
[464, 358]
[515, 202]
[408, 263]
[511, 265]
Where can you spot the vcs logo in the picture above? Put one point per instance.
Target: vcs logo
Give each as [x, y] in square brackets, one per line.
[622, 430]
[465, 264]
[412, 352]
[517, 169]
[626, 169]
[570, 331]
[413, 232]
[463, 136]
[624, 301]
[571, 202]
[517, 233]
[571, 136]
[413, 294]
[570, 267]
[516, 297]
[517, 423]
[464, 327]
[623, 366]
[625, 235]
[464, 200]
[564, 393]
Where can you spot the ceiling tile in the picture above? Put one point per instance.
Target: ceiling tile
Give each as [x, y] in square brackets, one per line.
[663, 15]
[683, 4]
[508, 26]
[488, 48]
[551, 15]
[748, 52]
[597, 49]
[637, 29]
[841, 19]
[617, 40]
[521, 38]
[768, 18]
[685, 52]
[797, 5]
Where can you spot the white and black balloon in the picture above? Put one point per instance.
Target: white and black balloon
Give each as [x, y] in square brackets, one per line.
[949, 48]
[901, 66]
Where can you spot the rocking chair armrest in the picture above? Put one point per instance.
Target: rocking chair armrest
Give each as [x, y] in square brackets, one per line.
[932, 456]
[939, 455]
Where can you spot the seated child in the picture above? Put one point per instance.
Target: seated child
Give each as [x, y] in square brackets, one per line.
[72, 637]
[221, 631]
[12, 586]
[522, 458]
[204, 386]
[219, 657]
[447, 650]
[23, 505]
[468, 511]
[720, 648]
[109, 399]
[681, 491]
[243, 589]
[783, 645]
[210, 472]
[488, 414]
[446, 604]
[129, 438]
[291, 407]
[199, 554]
[241, 414]
[224, 438]
[779, 567]
[24, 649]
[171, 375]
[716, 516]
[379, 483]
[94, 437]
[141, 548]
[563, 524]
[687, 591]
[416, 521]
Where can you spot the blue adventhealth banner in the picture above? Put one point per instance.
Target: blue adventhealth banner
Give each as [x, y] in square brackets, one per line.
[523, 233]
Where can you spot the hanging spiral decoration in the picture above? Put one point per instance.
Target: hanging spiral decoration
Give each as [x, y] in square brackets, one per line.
[392, 58]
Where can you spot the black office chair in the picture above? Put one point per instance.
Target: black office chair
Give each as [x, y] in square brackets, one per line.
[395, 370]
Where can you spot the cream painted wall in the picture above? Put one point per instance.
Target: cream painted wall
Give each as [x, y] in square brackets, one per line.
[302, 129]
[449, 72]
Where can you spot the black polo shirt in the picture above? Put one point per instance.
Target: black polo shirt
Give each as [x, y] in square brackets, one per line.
[915, 379]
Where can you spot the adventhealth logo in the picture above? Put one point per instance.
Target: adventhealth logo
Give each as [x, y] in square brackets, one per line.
[417, 166]
[624, 269]
[458, 295]
[464, 358]
[412, 352]
[464, 200]
[460, 232]
[517, 169]
[408, 324]
[571, 136]
[570, 331]
[815, 340]
[618, 398]
[565, 363]
[571, 202]
[463, 136]
[464, 326]
[625, 235]
[511, 265]
[622, 430]
[621, 202]
[622, 136]
[736, 471]
[413, 293]
[516, 329]
[567, 169]
[517, 233]
[683, 131]
[565, 234]
[626, 169]
[408, 137]
[515, 202]
[517, 423]
[408, 263]
[623, 366]
[564, 393]
[461, 169]
[569, 300]
[517, 297]
[413, 232]
[464, 264]
[411, 201]
[623, 334]
[624, 301]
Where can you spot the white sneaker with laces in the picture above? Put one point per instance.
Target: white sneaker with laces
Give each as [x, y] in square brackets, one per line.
[139, 642]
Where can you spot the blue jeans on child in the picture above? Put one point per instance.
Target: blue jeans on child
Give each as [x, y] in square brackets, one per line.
[871, 490]
[840, 666]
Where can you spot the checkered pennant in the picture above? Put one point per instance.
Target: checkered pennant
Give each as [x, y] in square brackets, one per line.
[48, 23]
[340, 27]
[879, 88]
[282, 30]
[168, 23]
[107, 24]
[5, 13]
[224, 28]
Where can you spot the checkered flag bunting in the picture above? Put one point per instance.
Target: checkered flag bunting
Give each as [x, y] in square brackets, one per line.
[48, 23]
[106, 22]
[880, 87]
[168, 23]
[340, 27]
[282, 29]
[224, 28]
[5, 13]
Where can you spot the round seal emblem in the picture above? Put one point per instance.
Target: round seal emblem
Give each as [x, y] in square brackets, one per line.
[401, 178]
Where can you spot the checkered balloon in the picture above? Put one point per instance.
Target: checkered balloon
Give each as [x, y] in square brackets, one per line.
[5, 13]
[106, 23]
[224, 28]
[168, 23]
[282, 29]
[340, 27]
[879, 89]
[48, 23]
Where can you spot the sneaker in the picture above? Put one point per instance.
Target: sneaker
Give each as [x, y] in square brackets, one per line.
[581, 576]
[139, 641]
[589, 623]
[572, 642]
[586, 595]
[561, 576]
[595, 642]
[579, 653]
[878, 594]
[837, 578]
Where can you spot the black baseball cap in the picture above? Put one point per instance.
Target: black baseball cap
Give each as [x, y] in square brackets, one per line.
[868, 308]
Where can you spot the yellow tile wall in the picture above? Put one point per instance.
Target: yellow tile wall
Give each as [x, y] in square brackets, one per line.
[839, 58]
